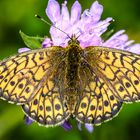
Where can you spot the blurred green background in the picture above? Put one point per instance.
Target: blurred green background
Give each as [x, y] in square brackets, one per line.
[18, 15]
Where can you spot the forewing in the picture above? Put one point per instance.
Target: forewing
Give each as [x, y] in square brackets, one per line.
[22, 75]
[120, 71]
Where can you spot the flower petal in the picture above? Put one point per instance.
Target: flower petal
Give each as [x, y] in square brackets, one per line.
[79, 125]
[86, 17]
[75, 12]
[21, 50]
[135, 48]
[65, 18]
[119, 40]
[115, 35]
[65, 12]
[53, 11]
[128, 43]
[28, 121]
[67, 126]
[47, 43]
[96, 11]
[100, 27]
[93, 40]
[90, 128]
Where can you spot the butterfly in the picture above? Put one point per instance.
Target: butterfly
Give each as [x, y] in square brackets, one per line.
[55, 83]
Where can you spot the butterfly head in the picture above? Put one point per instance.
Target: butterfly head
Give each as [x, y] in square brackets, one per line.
[73, 40]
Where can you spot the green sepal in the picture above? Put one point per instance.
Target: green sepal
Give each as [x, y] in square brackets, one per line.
[32, 42]
[106, 35]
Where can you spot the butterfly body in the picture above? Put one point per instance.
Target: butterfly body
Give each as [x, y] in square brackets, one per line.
[54, 83]
[73, 60]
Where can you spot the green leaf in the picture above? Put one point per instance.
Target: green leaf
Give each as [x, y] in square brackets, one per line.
[32, 42]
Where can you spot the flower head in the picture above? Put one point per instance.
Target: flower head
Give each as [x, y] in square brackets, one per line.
[87, 25]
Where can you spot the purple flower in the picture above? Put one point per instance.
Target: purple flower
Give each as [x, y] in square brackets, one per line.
[87, 25]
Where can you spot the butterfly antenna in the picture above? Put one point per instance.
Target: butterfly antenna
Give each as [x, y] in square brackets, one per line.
[78, 36]
[42, 19]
